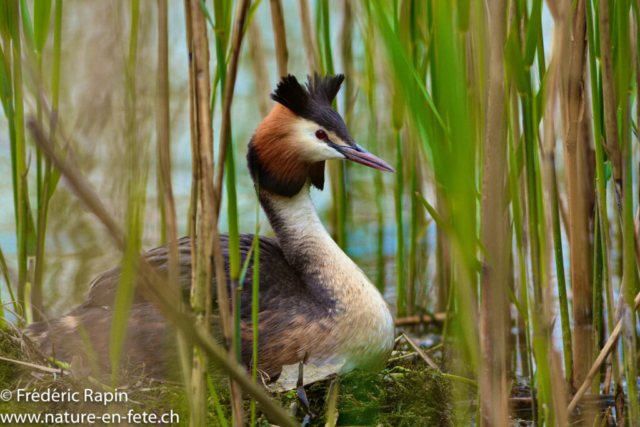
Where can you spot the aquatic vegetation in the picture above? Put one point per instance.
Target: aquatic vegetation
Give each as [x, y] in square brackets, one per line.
[510, 229]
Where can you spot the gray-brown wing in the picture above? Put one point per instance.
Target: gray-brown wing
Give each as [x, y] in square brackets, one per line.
[279, 283]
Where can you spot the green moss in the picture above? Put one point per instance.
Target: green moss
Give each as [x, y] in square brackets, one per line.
[411, 398]
[8, 371]
[396, 397]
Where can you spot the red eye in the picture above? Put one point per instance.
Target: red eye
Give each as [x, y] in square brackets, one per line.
[320, 134]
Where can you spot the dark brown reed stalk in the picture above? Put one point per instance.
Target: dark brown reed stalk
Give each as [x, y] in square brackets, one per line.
[308, 39]
[493, 382]
[279, 35]
[156, 289]
[259, 67]
[578, 211]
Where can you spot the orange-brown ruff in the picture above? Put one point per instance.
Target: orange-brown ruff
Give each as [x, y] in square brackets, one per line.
[316, 305]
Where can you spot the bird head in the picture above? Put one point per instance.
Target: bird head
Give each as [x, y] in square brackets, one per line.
[302, 131]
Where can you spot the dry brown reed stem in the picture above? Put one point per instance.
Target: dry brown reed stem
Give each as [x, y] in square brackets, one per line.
[193, 201]
[559, 399]
[493, 382]
[208, 247]
[164, 144]
[156, 289]
[552, 187]
[259, 67]
[612, 143]
[308, 39]
[426, 318]
[191, 220]
[577, 191]
[280, 36]
[59, 371]
[602, 357]
[420, 352]
[346, 52]
[164, 154]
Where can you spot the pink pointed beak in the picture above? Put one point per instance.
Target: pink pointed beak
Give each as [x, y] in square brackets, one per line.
[358, 154]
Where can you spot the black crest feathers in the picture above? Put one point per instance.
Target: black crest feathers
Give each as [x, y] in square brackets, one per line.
[305, 101]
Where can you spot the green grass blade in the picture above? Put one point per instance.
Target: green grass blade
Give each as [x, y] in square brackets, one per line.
[41, 18]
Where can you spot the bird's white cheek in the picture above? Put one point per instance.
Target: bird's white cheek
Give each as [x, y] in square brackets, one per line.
[316, 151]
[328, 153]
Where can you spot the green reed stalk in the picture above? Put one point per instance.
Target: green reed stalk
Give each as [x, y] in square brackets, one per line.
[520, 63]
[454, 170]
[346, 53]
[560, 274]
[413, 239]
[370, 88]
[7, 99]
[410, 10]
[32, 294]
[397, 124]
[337, 170]
[19, 152]
[599, 233]
[255, 304]
[636, 11]
[598, 306]
[222, 18]
[539, 321]
[5, 274]
[8, 283]
[226, 164]
[518, 225]
[42, 13]
[630, 278]
[216, 402]
[400, 281]
[136, 203]
[598, 108]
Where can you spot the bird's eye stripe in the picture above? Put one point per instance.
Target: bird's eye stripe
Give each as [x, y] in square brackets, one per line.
[320, 134]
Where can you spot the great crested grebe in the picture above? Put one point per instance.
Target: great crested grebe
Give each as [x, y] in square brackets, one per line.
[316, 305]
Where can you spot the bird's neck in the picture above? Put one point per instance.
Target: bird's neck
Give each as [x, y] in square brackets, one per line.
[298, 229]
[306, 244]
